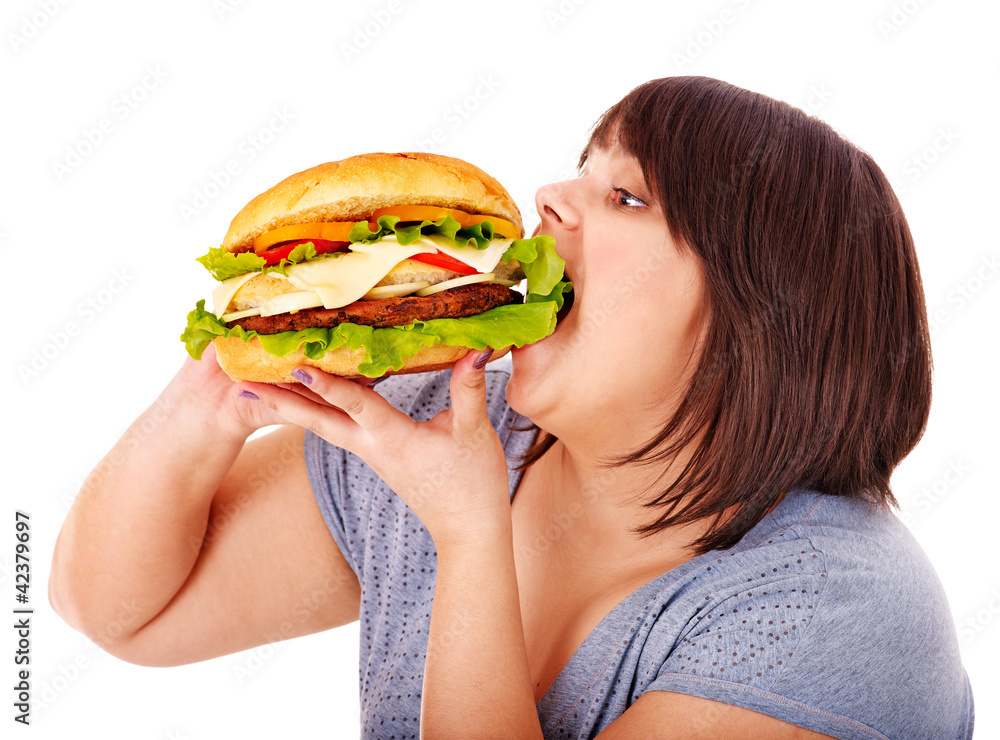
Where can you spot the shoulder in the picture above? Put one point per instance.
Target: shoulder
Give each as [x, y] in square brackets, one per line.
[868, 559]
[827, 607]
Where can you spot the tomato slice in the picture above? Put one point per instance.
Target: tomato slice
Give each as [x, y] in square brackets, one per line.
[275, 254]
[435, 213]
[336, 231]
[440, 259]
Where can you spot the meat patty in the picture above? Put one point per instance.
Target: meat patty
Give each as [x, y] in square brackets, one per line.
[456, 303]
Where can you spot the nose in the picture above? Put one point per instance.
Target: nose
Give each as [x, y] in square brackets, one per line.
[555, 206]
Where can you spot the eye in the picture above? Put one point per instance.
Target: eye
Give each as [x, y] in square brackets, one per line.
[624, 199]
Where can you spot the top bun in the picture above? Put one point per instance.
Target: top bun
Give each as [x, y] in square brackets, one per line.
[351, 189]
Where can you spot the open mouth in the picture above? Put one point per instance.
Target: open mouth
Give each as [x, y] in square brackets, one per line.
[567, 306]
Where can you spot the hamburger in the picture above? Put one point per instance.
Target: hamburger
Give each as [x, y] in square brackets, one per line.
[377, 264]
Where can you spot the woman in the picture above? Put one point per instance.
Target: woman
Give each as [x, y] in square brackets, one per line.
[697, 543]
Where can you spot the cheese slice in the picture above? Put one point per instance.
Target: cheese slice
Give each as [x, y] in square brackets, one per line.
[241, 314]
[456, 283]
[348, 276]
[225, 291]
[345, 278]
[394, 291]
[289, 302]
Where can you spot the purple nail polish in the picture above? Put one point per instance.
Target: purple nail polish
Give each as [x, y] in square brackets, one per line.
[251, 396]
[377, 381]
[483, 358]
[302, 376]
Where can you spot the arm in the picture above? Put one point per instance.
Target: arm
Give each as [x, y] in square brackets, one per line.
[476, 676]
[184, 545]
[476, 679]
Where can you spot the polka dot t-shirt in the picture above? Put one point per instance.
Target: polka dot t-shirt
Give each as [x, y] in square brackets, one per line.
[826, 615]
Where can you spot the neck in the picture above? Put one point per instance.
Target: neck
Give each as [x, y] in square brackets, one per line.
[601, 505]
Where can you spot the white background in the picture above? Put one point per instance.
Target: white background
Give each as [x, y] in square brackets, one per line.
[99, 231]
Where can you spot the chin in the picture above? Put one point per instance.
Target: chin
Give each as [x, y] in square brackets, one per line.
[537, 384]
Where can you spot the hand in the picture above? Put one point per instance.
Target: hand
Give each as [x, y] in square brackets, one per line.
[204, 384]
[451, 471]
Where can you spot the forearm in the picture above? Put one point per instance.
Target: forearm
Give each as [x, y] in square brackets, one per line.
[137, 525]
[476, 678]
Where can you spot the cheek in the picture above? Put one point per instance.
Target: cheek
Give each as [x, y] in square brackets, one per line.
[630, 269]
[662, 326]
[661, 292]
[609, 266]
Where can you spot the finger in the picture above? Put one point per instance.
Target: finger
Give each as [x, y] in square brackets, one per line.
[304, 392]
[259, 415]
[468, 390]
[363, 405]
[328, 422]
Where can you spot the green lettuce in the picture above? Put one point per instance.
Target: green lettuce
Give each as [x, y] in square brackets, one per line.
[224, 265]
[387, 348]
[542, 267]
[478, 235]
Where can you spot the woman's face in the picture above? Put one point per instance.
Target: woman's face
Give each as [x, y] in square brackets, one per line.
[628, 344]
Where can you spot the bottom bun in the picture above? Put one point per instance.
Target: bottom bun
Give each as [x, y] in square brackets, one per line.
[250, 361]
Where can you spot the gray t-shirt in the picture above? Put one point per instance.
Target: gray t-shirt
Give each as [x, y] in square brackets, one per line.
[826, 615]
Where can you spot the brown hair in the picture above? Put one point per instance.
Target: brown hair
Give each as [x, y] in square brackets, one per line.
[816, 369]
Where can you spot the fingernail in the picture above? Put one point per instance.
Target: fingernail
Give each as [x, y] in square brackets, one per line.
[302, 376]
[483, 358]
[251, 396]
[377, 381]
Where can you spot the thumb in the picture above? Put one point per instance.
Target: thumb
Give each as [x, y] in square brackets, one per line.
[468, 390]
